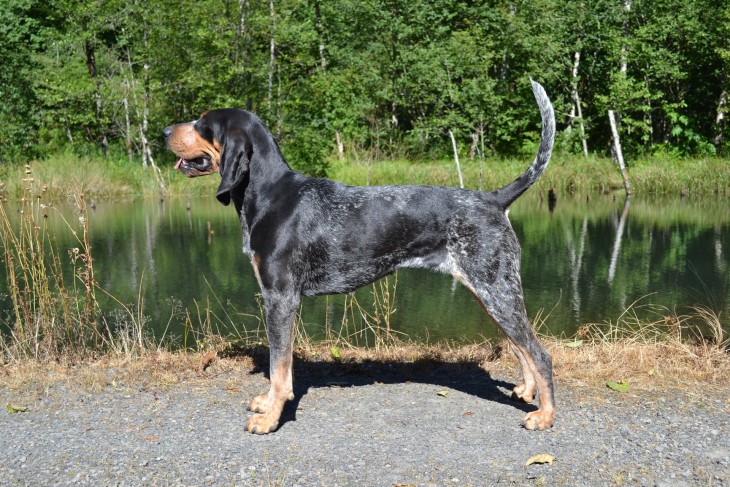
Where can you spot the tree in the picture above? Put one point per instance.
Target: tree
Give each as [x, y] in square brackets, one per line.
[385, 77]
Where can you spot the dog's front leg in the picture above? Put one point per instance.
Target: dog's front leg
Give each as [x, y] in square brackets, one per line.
[281, 311]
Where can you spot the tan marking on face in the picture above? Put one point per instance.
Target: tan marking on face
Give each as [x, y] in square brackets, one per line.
[187, 143]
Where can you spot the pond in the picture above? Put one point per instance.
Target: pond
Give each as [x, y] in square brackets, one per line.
[585, 260]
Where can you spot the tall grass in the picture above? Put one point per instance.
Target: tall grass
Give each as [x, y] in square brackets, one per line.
[100, 179]
[682, 347]
[104, 179]
[48, 316]
[362, 324]
[570, 174]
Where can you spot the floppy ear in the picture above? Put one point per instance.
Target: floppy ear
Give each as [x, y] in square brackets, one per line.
[234, 165]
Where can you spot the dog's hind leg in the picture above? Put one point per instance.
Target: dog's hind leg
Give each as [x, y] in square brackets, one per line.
[496, 285]
[537, 366]
[281, 311]
[522, 392]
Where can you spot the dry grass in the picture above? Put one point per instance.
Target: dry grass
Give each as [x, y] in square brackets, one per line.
[675, 351]
[665, 364]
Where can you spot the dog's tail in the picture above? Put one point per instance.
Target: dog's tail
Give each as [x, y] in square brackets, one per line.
[507, 195]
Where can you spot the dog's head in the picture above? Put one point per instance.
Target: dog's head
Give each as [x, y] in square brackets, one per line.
[215, 142]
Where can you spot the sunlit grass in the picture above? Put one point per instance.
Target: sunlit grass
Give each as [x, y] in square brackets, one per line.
[61, 176]
[99, 178]
[683, 348]
[566, 174]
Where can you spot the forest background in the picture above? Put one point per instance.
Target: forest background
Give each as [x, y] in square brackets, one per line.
[373, 79]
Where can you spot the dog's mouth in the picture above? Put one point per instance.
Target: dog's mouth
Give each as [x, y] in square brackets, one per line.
[198, 166]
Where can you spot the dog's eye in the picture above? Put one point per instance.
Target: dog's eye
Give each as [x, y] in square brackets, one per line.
[203, 129]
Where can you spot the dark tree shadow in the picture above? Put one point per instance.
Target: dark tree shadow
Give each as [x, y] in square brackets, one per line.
[467, 377]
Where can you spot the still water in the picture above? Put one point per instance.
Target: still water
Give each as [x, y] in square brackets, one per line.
[584, 261]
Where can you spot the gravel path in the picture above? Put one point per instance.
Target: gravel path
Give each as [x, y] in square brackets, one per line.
[379, 425]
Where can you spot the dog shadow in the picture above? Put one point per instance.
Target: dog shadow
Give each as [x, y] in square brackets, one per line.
[466, 377]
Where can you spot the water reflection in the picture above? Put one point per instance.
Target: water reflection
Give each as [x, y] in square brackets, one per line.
[583, 260]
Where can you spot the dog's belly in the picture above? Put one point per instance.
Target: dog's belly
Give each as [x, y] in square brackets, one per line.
[345, 276]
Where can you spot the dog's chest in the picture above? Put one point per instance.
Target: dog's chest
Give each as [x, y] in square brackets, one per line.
[246, 234]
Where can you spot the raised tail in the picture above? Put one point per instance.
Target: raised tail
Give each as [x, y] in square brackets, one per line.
[507, 195]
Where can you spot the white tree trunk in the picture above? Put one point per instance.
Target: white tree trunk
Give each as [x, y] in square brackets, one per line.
[127, 125]
[720, 117]
[581, 125]
[619, 153]
[456, 159]
[624, 62]
[474, 145]
[320, 34]
[576, 108]
[272, 54]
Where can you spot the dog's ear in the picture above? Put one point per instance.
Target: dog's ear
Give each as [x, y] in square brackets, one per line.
[234, 164]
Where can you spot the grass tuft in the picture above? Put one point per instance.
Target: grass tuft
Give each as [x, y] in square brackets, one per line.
[684, 349]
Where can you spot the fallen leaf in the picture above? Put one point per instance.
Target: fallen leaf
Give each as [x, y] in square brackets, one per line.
[468, 413]
[208, 359]
[12, 409]
[152, 438]
[618, 386]
[335, 353]
[574, 344]
[231, 389]
[541, 458]
[442, 393]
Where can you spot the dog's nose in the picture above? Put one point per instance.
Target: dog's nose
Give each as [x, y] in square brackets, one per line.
[167, 132]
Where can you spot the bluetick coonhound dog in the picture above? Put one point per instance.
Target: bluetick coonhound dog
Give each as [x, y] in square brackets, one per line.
[309, 236]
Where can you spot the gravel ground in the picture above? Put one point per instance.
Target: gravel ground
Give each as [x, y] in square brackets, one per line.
[380, 425]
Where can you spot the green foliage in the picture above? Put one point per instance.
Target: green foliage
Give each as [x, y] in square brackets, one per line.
[22, 23]
[387, 78]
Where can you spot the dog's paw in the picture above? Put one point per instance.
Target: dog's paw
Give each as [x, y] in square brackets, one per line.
[520, 393]
[262, 424]
[260, 404]
[539, 420]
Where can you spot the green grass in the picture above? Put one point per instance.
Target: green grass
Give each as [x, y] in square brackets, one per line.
[61, 175]
[571, 174]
